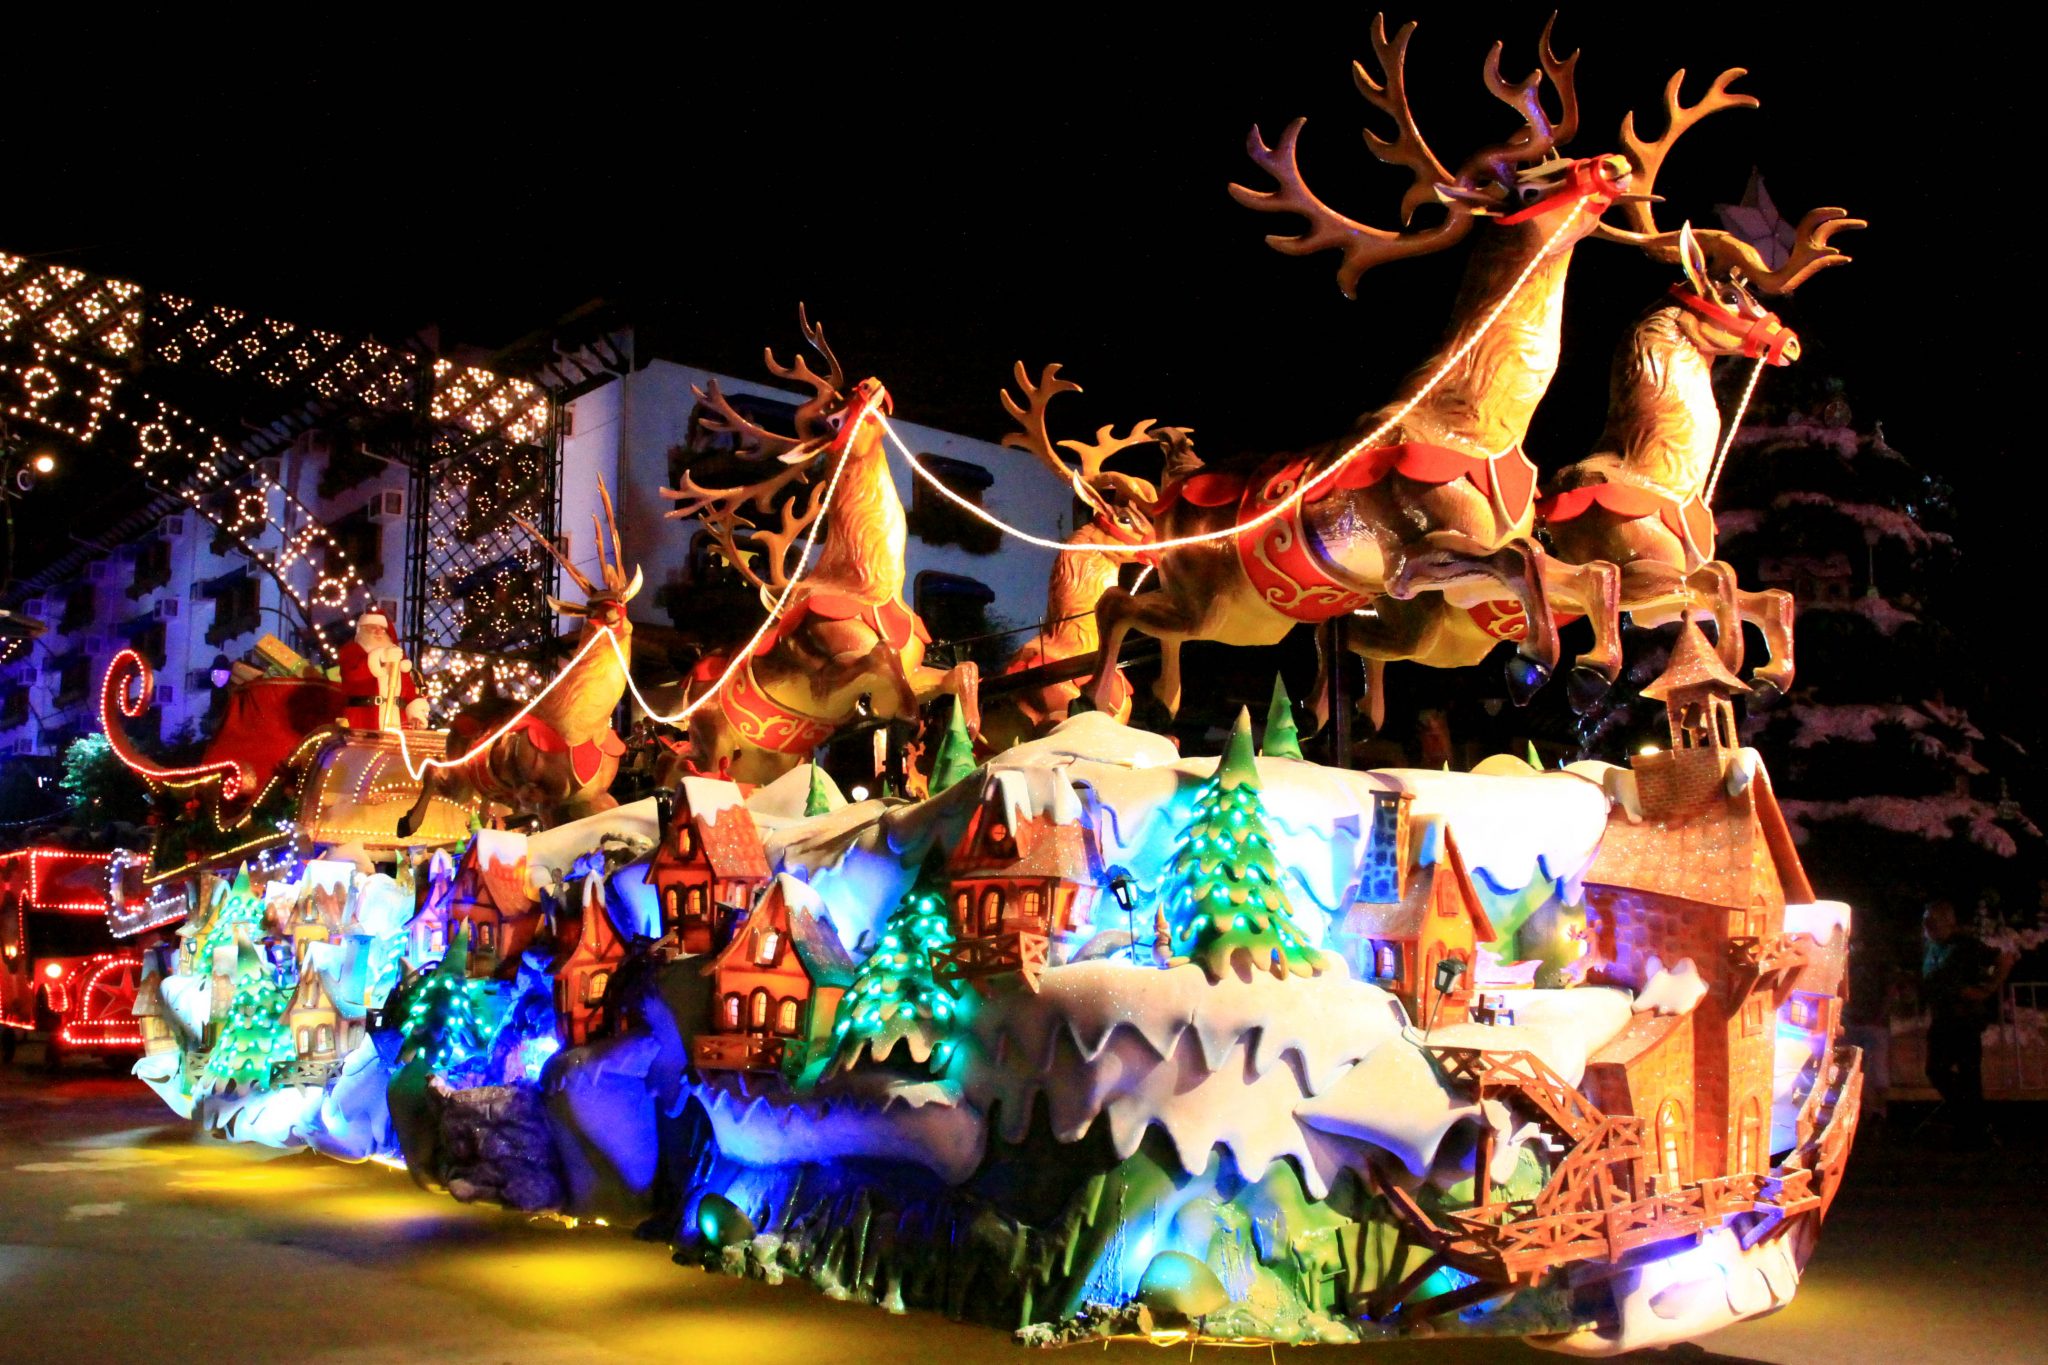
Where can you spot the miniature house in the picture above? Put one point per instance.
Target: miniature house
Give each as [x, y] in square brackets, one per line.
[1022, 879]
[1701, 869]
[1415, 907]
[493, 893]
[776, 986]
[710, 862]
[584, 974]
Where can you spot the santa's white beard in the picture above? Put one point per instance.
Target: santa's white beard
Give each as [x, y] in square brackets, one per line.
[374, 638]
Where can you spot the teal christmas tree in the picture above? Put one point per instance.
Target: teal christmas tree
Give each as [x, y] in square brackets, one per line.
[955, 758]
[895, 996]
[442, 1026]
[254, 1044]
[239, 907]
[1282, 739]
[1222, 892]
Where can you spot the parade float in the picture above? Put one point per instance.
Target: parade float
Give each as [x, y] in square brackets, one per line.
[1074, 1033]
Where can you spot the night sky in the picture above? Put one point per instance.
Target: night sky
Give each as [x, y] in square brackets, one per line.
[951, 198]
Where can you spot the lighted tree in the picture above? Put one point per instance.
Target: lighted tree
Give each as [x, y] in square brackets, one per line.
[442, 1026]
[955, 758]
[895, 997]
[240, 908]
[1222, 891]
[1282, 740]
[254, 1045]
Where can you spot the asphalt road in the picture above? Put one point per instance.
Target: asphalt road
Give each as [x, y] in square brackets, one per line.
[125, 1239]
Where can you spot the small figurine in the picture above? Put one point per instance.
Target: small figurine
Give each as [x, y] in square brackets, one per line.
[378, 679]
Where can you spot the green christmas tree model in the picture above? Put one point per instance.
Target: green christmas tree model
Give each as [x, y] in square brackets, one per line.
[818, 801]
[1222, 892]
[955, 758]
[441, 1022]
[894, 995]
[1282, 739]
[254, 1044]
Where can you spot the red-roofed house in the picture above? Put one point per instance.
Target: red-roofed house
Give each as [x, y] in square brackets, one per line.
[776, 986]
[710, 857]
[1415, 907]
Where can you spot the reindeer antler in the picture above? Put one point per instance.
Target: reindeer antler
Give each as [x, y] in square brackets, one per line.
[1812, 251]
[1539, 137]
[1646, 159]
[825, 388]
[1030, 415]
[1485, 179]
[555, 553]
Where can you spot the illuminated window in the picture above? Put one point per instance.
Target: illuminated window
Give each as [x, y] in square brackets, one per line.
[1671, 1135]
[1386, 961]
[695, 912]
[962, 904]
[785, 1017]
[1034, 907]
[600, 981]
[732, 1011]
[305, 1036]
[323, 1039]
[672, 906]
[991, 911]
[685, 841]
[767, 948]
[757, 1010]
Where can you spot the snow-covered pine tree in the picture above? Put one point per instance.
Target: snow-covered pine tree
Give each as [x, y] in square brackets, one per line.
[254, 1044]
[1885, 773]
[895, 996]
[1282, 738]
[1222, 890]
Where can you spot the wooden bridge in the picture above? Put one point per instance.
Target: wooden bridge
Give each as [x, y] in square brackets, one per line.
[1602, 1201]
[977, 959]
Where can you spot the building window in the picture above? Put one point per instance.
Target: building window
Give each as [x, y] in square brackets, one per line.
[323, 1039]
[1749, 1136]
[237, 606]
[785, 1018]
[1386, 961]
[1671, 1136]
[152, 566]
[767, 948]
[305, 1039]
[671, 906]
[486, 937]
[600, 981]
[1752, 1016]
[1034, 907]
[732, 1011]
[685, 841]
[963, 904]
[936, 520]
[991, 911]
[955, 607]
[757, 1009]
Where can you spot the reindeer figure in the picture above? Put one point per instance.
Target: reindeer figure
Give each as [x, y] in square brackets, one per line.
[1078, 581]
[1641, 500]
[1444, 500]
[845, 641]
[558, 760]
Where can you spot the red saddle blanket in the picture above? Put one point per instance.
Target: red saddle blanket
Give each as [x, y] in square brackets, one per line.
[584, 759]
[1692, 521]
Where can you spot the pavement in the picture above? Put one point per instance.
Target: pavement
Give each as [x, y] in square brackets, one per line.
[125, 1238]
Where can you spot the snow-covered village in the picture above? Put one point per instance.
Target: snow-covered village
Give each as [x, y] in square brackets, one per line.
[1449, 868]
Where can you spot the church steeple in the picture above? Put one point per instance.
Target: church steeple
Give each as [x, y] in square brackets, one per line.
[1696, 690]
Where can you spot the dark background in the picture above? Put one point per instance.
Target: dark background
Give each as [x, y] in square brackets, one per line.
[950, 195]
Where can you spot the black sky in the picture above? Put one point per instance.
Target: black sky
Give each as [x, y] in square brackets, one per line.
[951, 195]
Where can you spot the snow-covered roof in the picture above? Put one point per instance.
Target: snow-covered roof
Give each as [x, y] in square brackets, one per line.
[708, 797]
[560, 847]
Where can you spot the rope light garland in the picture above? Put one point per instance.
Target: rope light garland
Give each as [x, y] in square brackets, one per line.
[1287, 504]
[1756, 372]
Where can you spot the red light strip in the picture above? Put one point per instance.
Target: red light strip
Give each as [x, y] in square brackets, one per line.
[101, 1032]
[230, 773]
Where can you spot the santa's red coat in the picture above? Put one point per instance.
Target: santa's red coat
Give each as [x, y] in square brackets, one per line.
[359, 683]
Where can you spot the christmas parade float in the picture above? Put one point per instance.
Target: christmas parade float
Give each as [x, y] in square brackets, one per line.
[1069, 1031]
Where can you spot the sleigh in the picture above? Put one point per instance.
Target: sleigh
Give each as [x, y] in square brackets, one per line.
[359, 786]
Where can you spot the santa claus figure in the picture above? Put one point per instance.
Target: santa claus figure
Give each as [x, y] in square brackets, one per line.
[378, 679]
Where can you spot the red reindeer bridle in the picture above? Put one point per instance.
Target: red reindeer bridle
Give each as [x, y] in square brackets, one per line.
[1763, 338]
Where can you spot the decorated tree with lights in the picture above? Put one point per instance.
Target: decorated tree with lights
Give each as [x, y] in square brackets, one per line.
[442, 1025]
[895, 996]
[955, 758]
[254, 1045]
[1222, 895]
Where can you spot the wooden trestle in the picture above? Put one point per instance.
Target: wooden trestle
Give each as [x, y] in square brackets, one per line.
[1603, 1199]
[976, 959]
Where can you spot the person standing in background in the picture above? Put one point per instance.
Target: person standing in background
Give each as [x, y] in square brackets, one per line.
[1960, 978]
